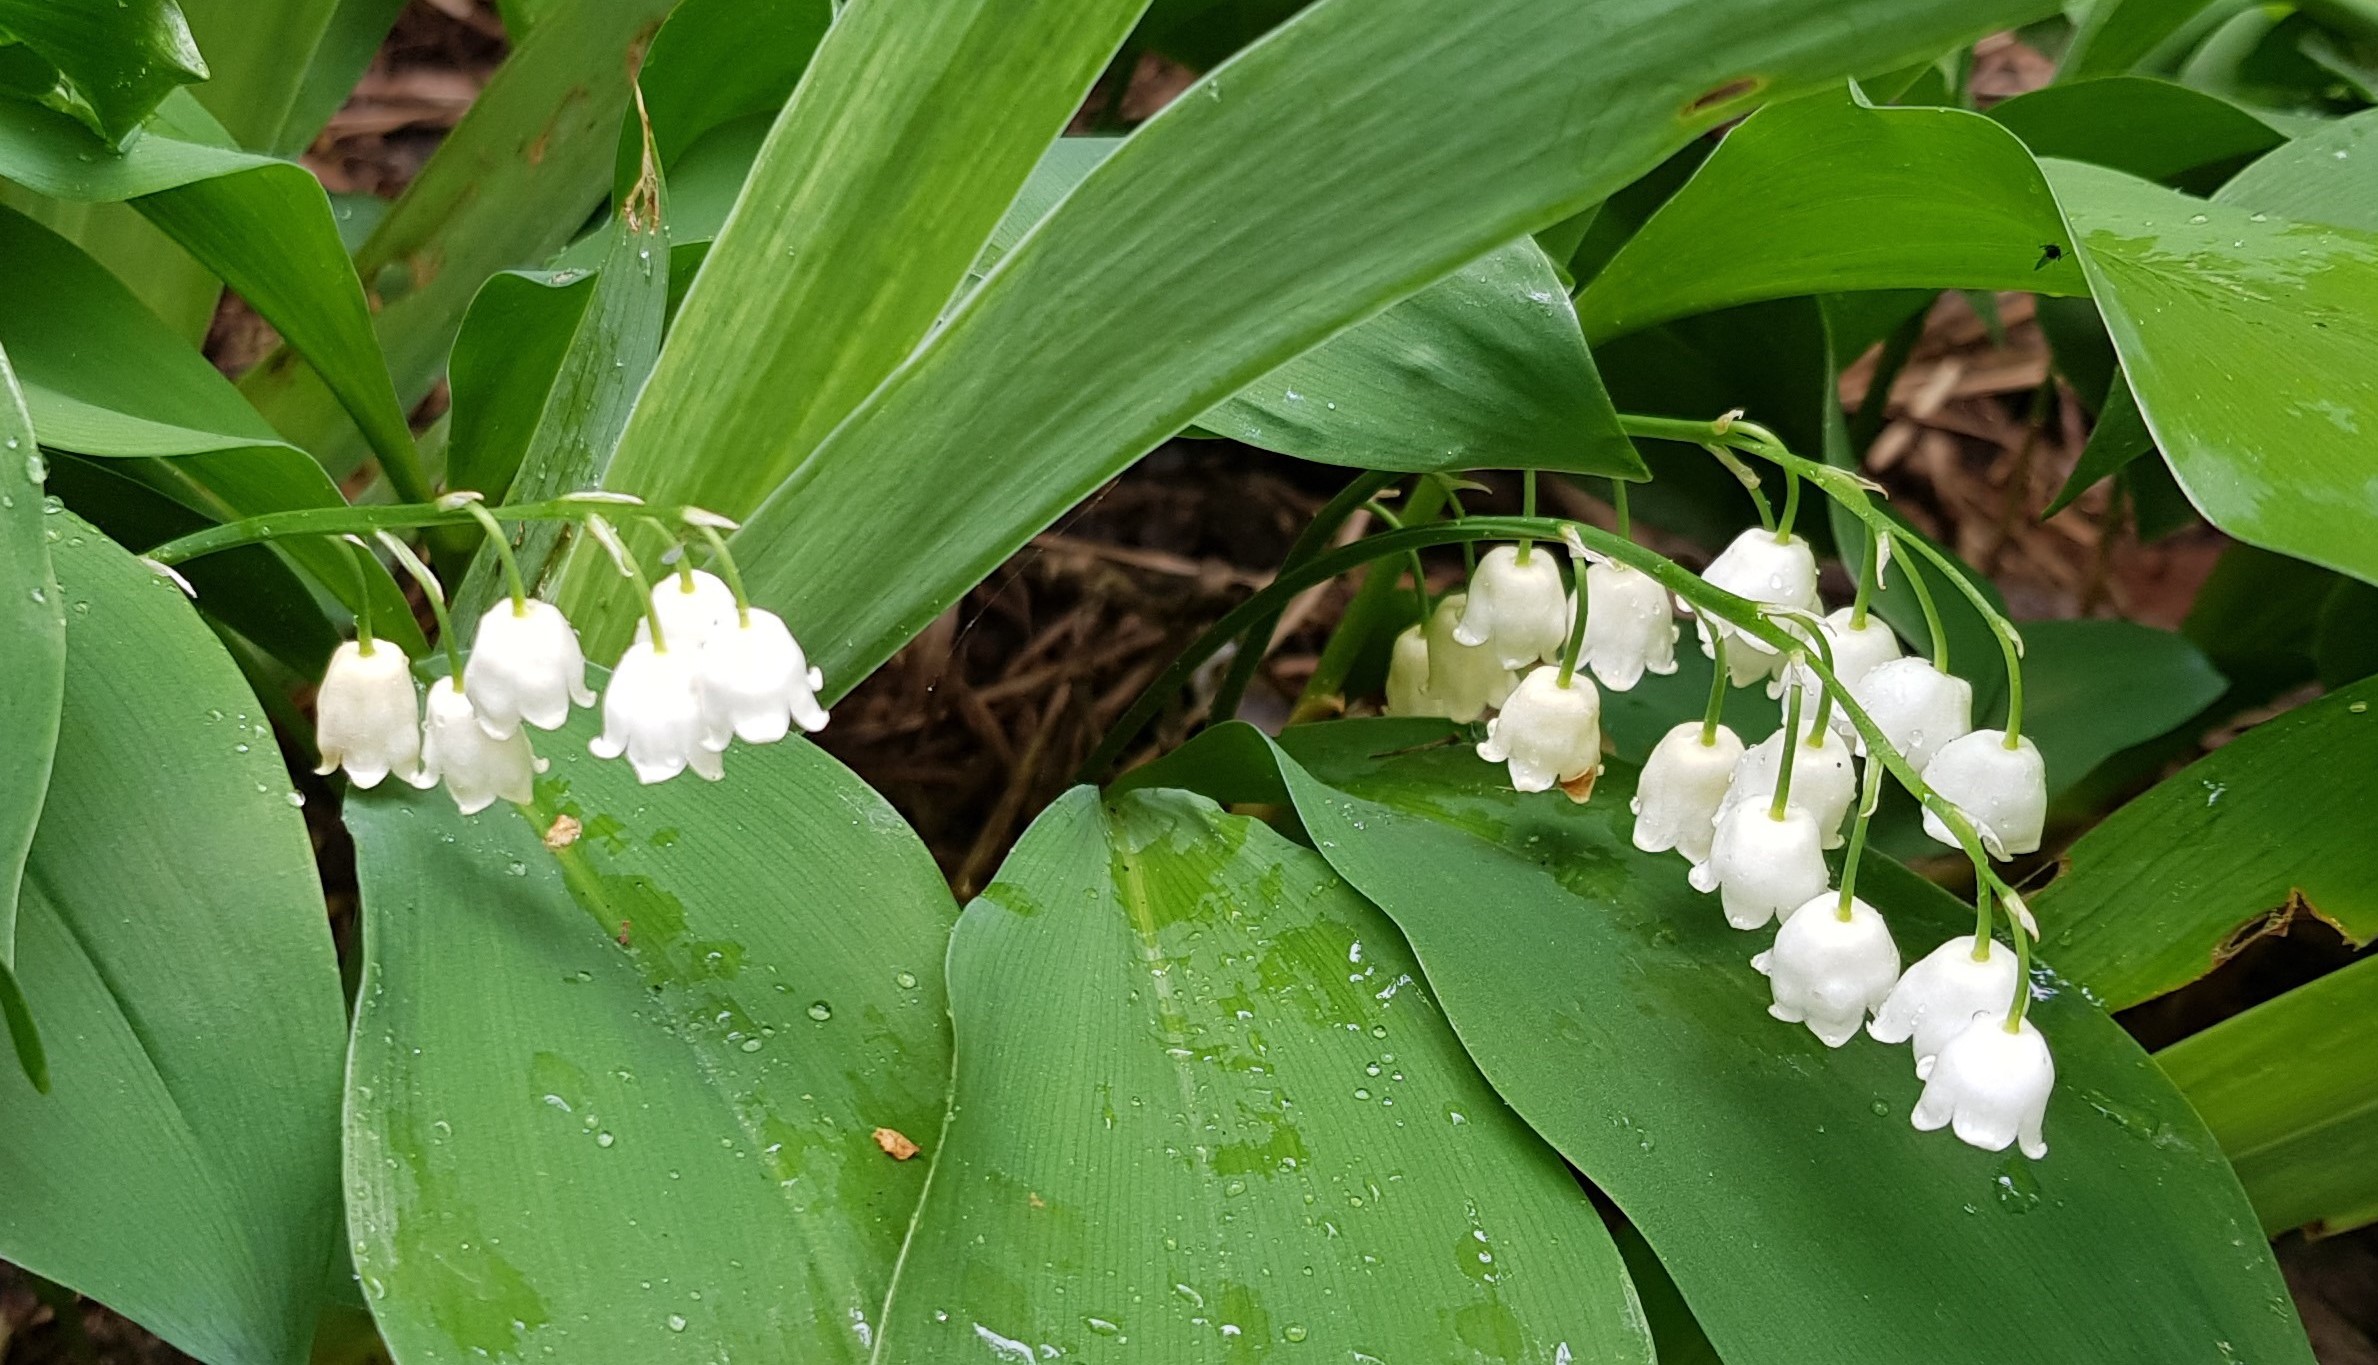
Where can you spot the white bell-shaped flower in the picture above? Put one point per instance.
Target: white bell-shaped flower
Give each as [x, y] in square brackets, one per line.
[1683, 782]
[1517, 609]
[1824, 778]
[366, 718]
[1465, 680]
[476, 767]
[1827, 972]
[1857, 651]
[1941, 994]
[1916, 706]
[691, 606]
[1549, 732]
[1761, 866]
[1407, 676]
[1991, 1085]
[1629, 627]
[525, 665]
[2003, 791]
[653, 715]
[755, 683]
[1775, 571]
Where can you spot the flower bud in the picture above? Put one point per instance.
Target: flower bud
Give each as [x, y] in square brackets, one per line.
[1991, 1085]
[476, 767]
[1824, 779]
[1776, 571]
[525, 665]
[1465, 680]
[1683, 782]
[755, 683]
[1941, 994]
[691, 606]
[1762, 866]
[2003, 791]
[1549, 732]
[1828, 972]
[1629, 628]
[1407, 677]
[365, 717]
[1916, 706]
[652, 715]
[1518, 610]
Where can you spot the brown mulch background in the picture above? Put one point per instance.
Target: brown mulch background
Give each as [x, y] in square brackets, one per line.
[984, 718]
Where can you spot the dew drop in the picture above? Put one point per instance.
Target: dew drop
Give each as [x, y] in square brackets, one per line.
[820, 1011]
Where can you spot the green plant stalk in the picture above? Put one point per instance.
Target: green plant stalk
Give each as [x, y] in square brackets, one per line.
[1576, 641]
[1932, 626]
[1309, 542]
[1713, 714]
[1870, 567]
[363, 521]
[1868, 799]
[1363, 614]
[1789, 751]
[435, 592]
[502, 545]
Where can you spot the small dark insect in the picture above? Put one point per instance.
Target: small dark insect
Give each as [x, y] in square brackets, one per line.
[2049, 254]
[623, 933]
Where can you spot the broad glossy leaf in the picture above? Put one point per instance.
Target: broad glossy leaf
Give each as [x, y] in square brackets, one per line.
[716, 62]
[2329, 176]
[1204, 1111]
[2116, 35]
[1484, 367]
[108, 64]
[2119, 436]
[1448, 134]
[2291, 1090]
[2148, 128]
[348, 43]
[32, 649]
[264, 226]
[879, 183]
[2248, 340]
[511, 345]
[2094, 688]
[585, 405]
[173, 942]
[259, 54]
[103, 377]
[612, 1101]
[1780, 1182]
[2272, 825]
[507, 188]
[1829, 193]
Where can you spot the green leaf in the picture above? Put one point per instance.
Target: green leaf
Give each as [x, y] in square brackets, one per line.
[2148, 128]
[1780, 1182]
[32, 681]
[102, 376]
[264, 226]
[2119, 437]
[174, 943]
[1829, 193]
[108, 64]
[2272, 825]
[2291, 1090]
[507, 188]
[1484, 367]
[505, 358]
[2329, 176]
[2346, 644]
[1448, 137]
[613, 1099]
[586, 404]
[717, 62]
[348, 43]
[266, 53]
[2248, 341]
[2116, 35]
[1204, 1110]
[871, 197]
[2094, 688]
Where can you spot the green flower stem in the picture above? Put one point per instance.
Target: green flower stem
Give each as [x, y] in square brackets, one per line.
[1419, 573]
[1527, 509]
[1932, 626]
[725, 560]
[1791, 512]
[1309, 542]
[603, 531]
[1790, 751]
[363, 596]
[1869, 798]
[1824, 648]
[364, 521]
[2022, 1001]
[1576, 642]
[502, 544]
[1982, 942]
[1618, 504]
[1713, 714]
[1870, 572]
[435, 592]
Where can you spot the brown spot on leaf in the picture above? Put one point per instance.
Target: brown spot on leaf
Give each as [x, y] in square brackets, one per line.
[1724, 94]
[2272, 923]
[1036, 1201]
[895, 1144]
[564, 833]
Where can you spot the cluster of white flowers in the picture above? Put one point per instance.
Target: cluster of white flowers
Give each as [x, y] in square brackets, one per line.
[718, 671]
[1704, 793]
